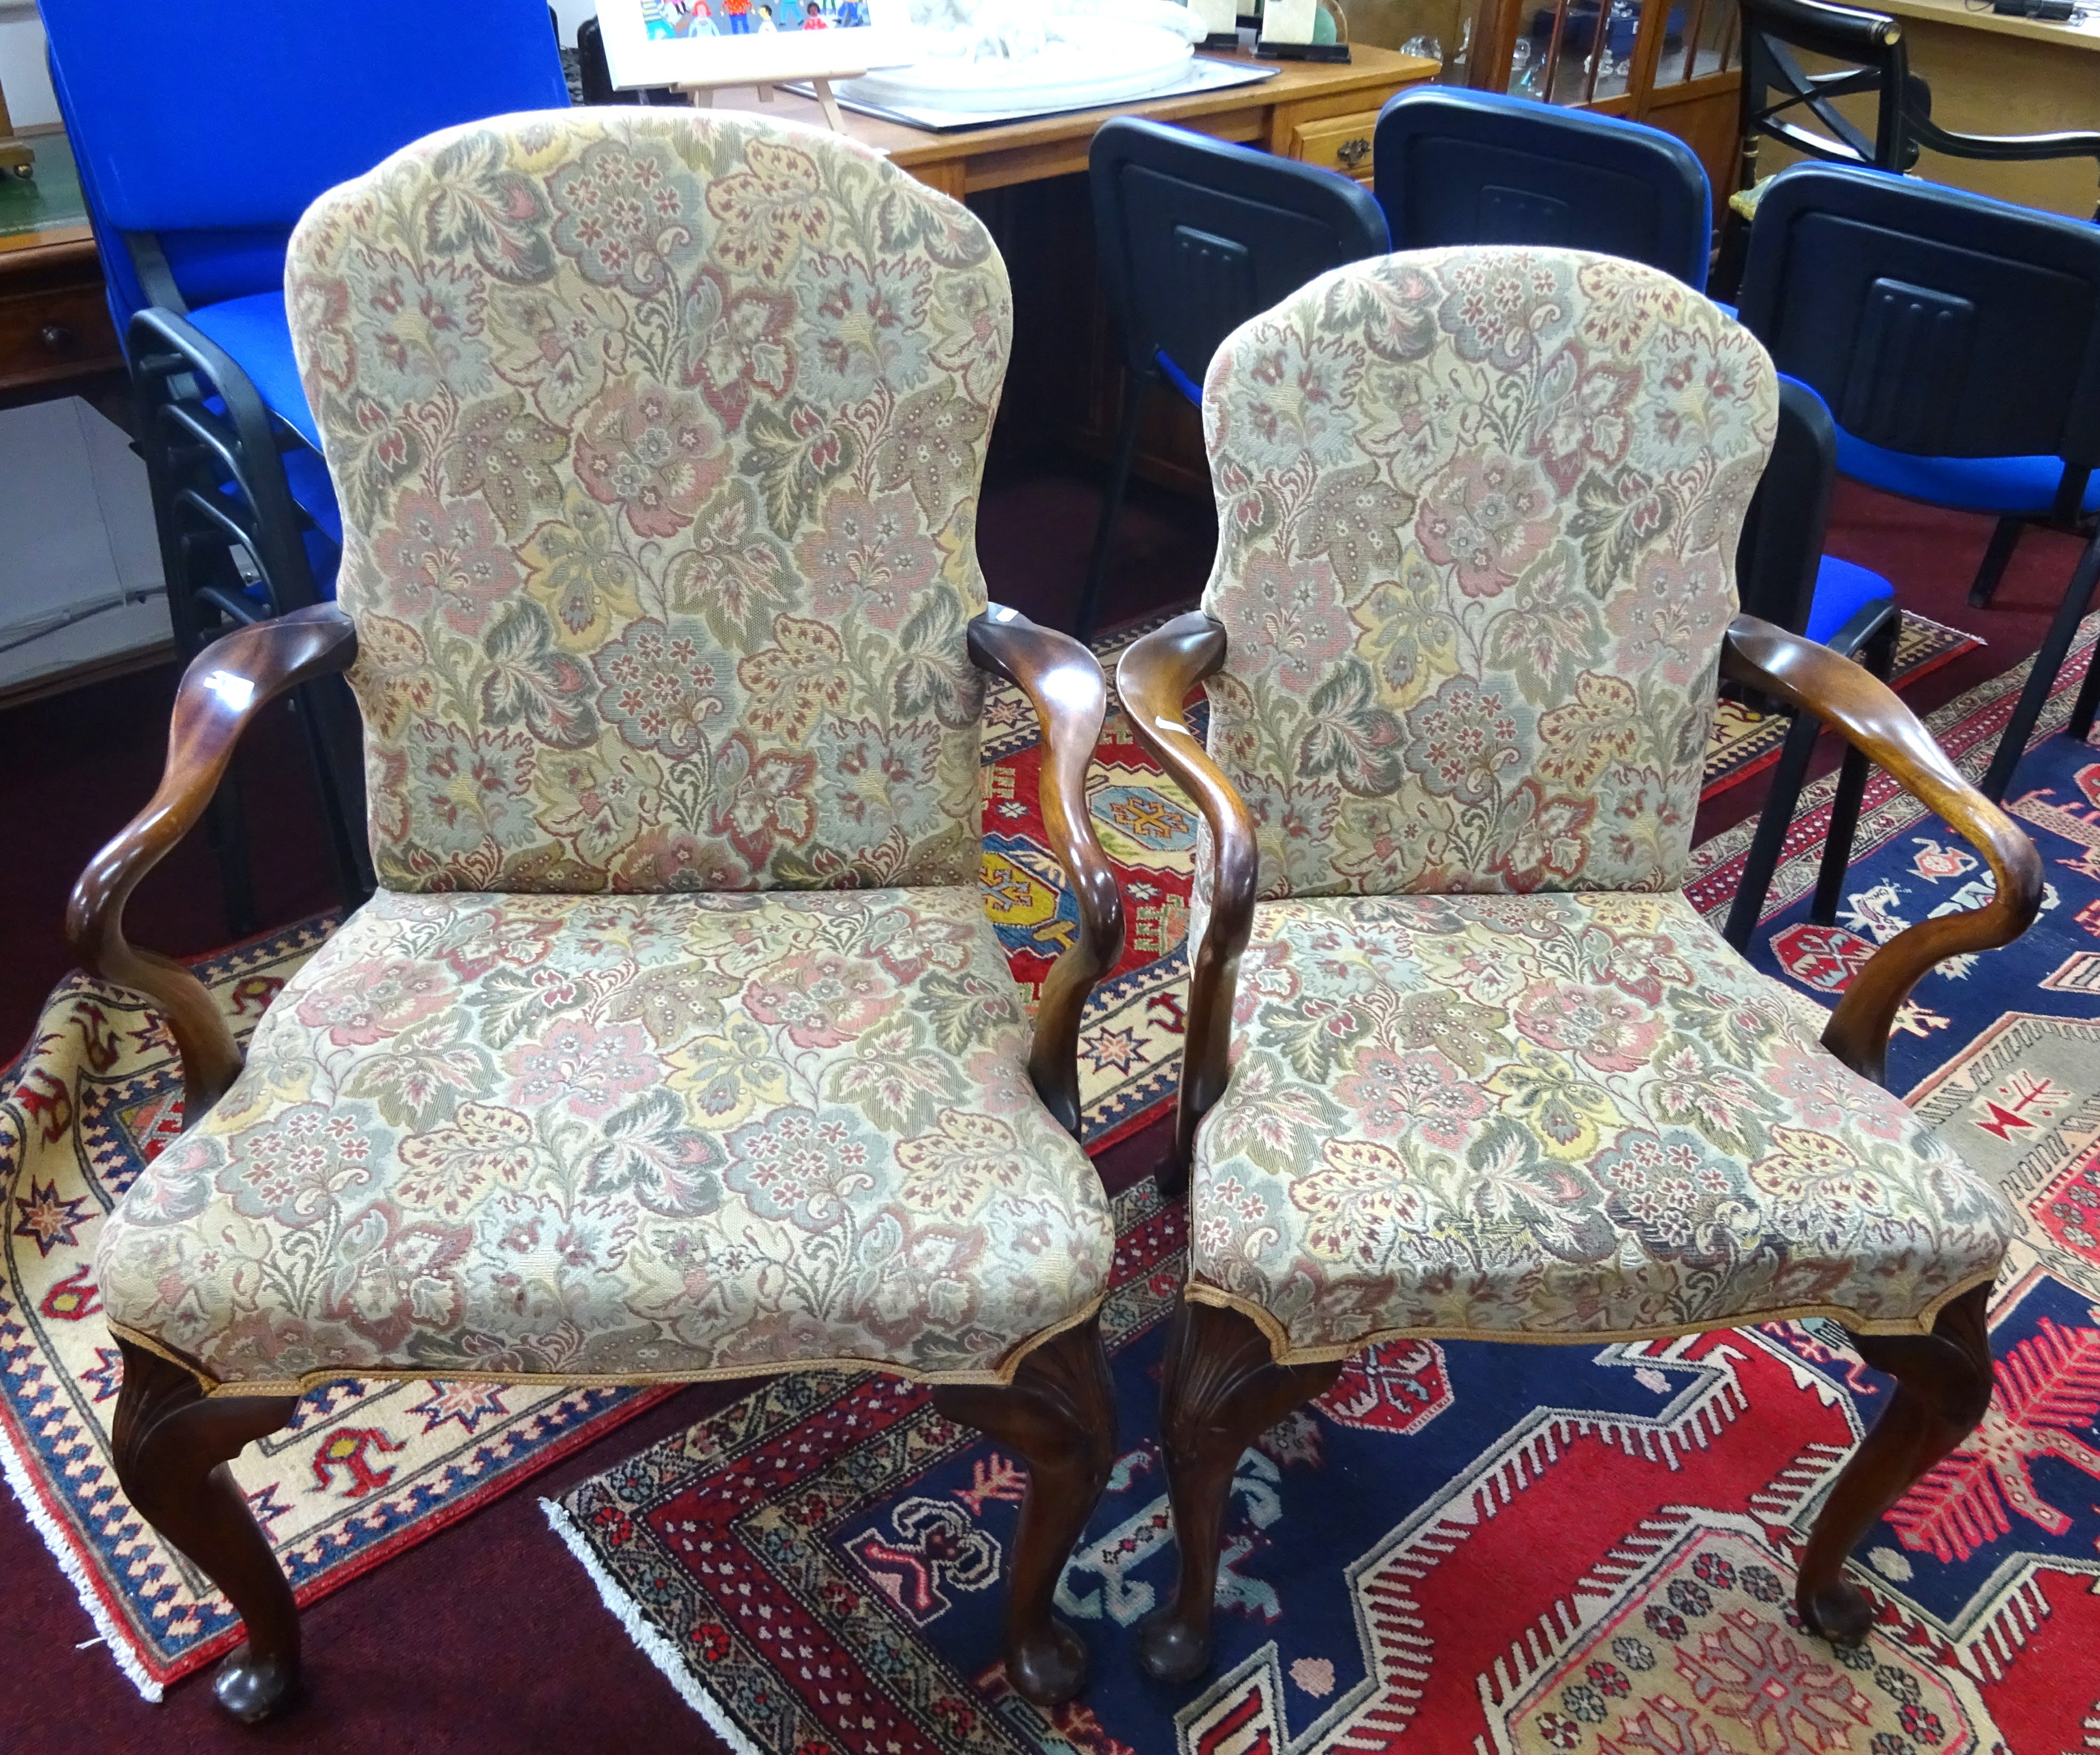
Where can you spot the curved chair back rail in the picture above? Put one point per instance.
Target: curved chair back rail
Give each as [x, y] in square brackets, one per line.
[1454, 167]
[1780, 97]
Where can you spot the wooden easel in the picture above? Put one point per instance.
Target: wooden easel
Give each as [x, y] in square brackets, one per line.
[703, 96]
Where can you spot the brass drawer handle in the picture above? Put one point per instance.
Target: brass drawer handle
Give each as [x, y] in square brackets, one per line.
[1352, 153]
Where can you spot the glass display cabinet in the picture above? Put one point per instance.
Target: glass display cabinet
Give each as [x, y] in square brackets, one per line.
[1672, 64]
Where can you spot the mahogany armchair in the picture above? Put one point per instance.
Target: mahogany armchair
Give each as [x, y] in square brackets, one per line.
[1461, 1061]
[676, 1043]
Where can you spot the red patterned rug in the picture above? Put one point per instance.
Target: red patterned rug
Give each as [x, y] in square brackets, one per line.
[1468, 1546]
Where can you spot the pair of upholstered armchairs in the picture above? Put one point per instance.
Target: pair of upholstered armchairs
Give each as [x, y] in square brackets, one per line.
[676, 1044]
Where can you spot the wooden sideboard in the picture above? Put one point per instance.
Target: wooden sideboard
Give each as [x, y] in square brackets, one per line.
[54, 327]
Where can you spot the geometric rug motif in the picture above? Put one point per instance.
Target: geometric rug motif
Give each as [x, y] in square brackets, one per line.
[1474, 1546]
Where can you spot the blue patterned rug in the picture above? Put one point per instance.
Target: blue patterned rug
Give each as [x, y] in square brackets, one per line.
[1467, 1546]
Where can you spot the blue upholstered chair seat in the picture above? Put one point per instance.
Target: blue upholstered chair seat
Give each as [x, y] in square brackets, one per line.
[2001, 486]
[257, 333]
[1843, 588]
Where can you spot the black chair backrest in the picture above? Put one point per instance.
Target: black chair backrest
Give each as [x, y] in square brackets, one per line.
[595, 73]
[1452, 166]
[1934, 322]
[1781, 549]
[1195, 236]
[1778, 96]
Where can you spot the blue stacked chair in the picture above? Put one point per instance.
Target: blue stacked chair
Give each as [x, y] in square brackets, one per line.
[203, 129]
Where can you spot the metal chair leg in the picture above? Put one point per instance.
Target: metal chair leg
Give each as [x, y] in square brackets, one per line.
[2005, 538]
[1090, 601]
[1879, 657]
[2089, 698]
[2041, 678]
[1773, 822]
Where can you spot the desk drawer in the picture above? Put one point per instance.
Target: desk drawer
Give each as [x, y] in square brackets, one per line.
[1337, 142]
[54, 334]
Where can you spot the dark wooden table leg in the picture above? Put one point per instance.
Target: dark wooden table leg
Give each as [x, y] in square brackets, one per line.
[1059, 1412]
[1223, 1389]
[1942, 1386]
[171, 1444]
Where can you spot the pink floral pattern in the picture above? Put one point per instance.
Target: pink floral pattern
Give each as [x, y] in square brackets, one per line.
[658, 440]
[622, 1136]
[677, 1040]
[1480, 510]
[1557, 1115]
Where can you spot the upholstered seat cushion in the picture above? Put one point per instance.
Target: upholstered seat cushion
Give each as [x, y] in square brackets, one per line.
[1556, 1115]
[626, 1138]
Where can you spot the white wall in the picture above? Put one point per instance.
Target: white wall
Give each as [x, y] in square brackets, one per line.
[572, 14]
[22, 76]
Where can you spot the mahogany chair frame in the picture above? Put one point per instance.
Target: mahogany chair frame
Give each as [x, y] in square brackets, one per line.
[172, 1440]
[1222, 1384]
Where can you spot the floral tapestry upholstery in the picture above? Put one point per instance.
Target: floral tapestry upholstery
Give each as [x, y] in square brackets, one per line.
[657, 435]
[1478, 512]
[615, 1137]
[1556, 1116]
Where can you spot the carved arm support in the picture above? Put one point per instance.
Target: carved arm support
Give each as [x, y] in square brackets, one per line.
[1154, 679]
[224, 689]
[1063, 683]
[1866, 713]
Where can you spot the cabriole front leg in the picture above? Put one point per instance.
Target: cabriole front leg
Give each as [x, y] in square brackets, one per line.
[1943, 1387]
[172, 1444]
[1059, 1413]
[1223, 1389]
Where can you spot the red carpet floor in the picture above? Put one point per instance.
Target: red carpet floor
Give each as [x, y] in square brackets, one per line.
[488, 1638]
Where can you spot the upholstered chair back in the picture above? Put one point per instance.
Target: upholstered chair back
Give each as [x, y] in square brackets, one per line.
[657, 437]
[1478, 511]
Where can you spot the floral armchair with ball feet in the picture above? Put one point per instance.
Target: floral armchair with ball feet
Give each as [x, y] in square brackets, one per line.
[1462, 1060]
[676, 1043]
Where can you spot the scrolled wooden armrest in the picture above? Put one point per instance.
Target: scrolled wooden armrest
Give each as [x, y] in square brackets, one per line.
[1154, 679]
[1867, 713]
[224, 688]
[1063, 683]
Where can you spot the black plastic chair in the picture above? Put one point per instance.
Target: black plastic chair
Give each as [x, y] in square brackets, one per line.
[1783, 576]
[1451, 166]
[1783, 103]
[594, 73]
[1195, 236]
[1937, 324]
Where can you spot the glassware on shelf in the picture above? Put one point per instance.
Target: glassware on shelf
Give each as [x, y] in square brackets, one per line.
[1522, 75]
[1428, 47]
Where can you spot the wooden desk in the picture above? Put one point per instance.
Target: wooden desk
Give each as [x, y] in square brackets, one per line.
[1310, 110]
[1027, 180]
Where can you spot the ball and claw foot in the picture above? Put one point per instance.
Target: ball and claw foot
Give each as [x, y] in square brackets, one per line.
[1169, 1650]
[1049, 1672]
[252, 1689]
[1839, 1612]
